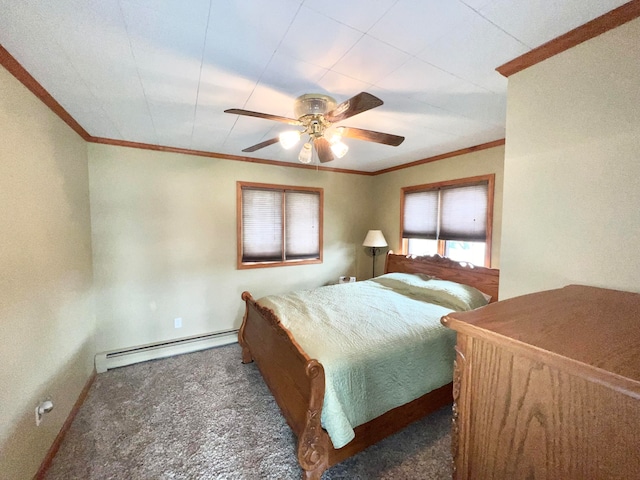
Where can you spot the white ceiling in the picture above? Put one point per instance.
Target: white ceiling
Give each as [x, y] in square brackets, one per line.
[163, 71]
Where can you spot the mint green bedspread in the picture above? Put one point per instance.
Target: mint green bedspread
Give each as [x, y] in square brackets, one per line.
[381, 351]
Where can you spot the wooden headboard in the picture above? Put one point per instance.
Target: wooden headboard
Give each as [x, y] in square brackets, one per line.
[484, 279]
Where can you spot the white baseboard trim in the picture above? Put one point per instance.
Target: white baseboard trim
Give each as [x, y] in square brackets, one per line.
[120, 358]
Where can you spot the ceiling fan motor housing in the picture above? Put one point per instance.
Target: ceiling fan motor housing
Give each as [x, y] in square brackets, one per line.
[313, 104]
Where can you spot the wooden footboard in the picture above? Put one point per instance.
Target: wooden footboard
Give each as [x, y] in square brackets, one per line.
[297, 383]
[295, 380]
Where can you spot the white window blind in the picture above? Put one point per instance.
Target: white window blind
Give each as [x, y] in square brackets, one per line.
[447, 213]
[463, 213]
[280, 224]
[421, 214]
[261, 225]
[302, 224]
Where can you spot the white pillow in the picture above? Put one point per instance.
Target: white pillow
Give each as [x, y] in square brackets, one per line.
[453, 295]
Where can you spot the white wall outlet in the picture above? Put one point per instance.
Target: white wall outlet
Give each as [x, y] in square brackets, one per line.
[41, 409]
[177, 322]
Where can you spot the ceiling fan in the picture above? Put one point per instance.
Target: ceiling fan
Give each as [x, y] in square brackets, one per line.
[316, 114]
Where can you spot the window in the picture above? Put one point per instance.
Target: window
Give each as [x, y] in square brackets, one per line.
[278, 225]
[452, 218]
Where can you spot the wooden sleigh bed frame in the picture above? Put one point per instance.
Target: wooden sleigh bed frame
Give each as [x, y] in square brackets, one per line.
[297, 381]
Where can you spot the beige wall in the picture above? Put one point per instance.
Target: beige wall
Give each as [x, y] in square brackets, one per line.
[387, 190]
[164, 241]
[164, 236]
[46, 311]
[572, 169]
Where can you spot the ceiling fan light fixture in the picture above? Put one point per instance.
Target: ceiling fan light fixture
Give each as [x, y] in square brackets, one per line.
[289, 138]
[335, 137]
[339, 149]
[306, 153]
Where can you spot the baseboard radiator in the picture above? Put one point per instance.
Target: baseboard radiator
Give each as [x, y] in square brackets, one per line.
[153, 351]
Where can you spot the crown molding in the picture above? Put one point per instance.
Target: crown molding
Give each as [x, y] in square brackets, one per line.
[17, 70]
[616, 17]
[455, 153]
[223, 156]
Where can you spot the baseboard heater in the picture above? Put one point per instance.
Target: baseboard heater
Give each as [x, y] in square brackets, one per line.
[153, 351]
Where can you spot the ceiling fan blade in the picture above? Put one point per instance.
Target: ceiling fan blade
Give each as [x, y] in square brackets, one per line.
[266, 116]
[260, 145]
[324, 149]
[360, 103]
[371, 136]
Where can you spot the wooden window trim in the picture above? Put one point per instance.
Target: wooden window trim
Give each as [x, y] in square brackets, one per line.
[460, 182]
[270, 186]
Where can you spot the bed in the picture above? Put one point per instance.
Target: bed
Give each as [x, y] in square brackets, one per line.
[298, 381]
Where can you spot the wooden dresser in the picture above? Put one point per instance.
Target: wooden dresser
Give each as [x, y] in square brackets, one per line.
[547, 386]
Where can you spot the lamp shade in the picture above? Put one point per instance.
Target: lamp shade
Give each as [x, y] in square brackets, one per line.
[306, 153]
[374, 238]
[339, 149]
[289, 138]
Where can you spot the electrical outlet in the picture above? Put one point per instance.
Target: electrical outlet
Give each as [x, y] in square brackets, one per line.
[177, 322]
[41, 409]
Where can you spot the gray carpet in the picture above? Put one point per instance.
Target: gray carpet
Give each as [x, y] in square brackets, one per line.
[205, 415]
